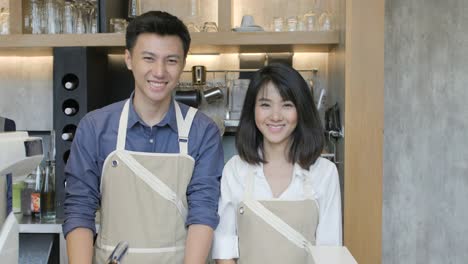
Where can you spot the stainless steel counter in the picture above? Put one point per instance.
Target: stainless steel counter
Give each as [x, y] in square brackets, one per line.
[41, 241]
[29, 225]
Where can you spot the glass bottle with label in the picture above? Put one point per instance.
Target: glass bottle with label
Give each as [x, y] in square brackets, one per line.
[48, 192]
[30, 186]
[36, 195]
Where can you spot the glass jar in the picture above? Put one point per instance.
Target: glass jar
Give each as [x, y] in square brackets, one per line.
[29, 186]
[16, 193]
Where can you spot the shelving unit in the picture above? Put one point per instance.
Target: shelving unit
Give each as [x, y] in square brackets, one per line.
[202, 42]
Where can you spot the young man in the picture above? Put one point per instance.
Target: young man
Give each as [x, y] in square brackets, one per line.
[151, 166]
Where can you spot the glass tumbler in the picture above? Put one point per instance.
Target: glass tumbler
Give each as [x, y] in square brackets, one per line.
[34, 17]
[292, 23]
[4, 21]
[310, 21]
[118, 25]
[53, 14]
[210, 27]
[69, 17]
[277, 24]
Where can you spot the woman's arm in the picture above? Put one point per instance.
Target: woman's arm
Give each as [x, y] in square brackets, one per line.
[329, 230]
[225, 244]
[225, 261]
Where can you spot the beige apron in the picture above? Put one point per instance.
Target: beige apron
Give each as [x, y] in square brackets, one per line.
[143, 199]
[276, 231]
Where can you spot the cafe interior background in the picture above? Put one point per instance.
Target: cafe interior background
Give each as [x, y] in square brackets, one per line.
[389, 77]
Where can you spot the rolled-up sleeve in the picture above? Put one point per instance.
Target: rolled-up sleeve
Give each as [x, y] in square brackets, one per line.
[82, 180]
[203, 190]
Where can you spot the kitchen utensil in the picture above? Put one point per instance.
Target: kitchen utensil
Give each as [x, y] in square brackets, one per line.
[118, 254]
[199, 75]
[189, 97]
[213, 94]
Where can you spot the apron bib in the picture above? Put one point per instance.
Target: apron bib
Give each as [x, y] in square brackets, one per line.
[275, 231]
[143, 199]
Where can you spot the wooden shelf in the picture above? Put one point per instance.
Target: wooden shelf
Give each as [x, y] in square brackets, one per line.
[220, 42]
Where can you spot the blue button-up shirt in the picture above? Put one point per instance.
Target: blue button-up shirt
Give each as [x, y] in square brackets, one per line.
[96, 137]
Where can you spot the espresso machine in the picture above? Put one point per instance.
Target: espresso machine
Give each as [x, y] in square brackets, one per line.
[19, 155]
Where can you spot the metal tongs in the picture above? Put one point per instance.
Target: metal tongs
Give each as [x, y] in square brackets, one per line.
[118, 254]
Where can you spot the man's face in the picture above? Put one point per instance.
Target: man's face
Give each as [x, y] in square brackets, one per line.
[157, 63]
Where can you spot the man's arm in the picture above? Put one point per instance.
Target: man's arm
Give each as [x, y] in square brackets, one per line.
[203, 191]
[81, 194]
[80, 246]
[198, 244]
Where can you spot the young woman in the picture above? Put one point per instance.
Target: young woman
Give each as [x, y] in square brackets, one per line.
[279, 198]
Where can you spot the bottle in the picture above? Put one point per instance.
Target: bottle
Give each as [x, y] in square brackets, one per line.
[36, 194]
[70, 107]
[70, 82]
[29, 187]
[69, 111]
[69, 85]
[67, 136]
[133, 8]
[48, 192]
[68, 132]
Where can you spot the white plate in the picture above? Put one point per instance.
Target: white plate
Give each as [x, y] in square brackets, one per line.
[248, 29]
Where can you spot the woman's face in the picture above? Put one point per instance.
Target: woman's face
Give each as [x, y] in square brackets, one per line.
[275, 118]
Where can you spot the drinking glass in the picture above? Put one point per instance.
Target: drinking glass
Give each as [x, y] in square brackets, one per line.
[210, 27]
[4, 21]
[192, 27]
[69, 17]
[277, 24]
[80, 17]
[53, 14]
[325, 21]
[310, 21]
[118, 25]
[34, 17]
[292, 23]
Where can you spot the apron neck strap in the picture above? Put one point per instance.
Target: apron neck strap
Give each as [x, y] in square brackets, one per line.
[122, 134]
[183, 126]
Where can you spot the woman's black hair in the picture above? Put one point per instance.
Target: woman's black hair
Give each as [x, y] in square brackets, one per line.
[307, 139]
[157, 22]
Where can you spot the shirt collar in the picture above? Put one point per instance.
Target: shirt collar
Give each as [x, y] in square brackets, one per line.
[298, 171]
[169, 119]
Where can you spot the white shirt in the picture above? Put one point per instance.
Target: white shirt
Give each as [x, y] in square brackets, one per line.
[325, 190]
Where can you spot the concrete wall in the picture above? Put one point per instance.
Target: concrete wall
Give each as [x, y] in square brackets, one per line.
[425, 185]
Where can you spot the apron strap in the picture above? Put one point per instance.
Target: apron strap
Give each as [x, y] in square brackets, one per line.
[272, 219]
[110, 248]
[280, 226]
[183, 126]
[122, 134]
[154, 182]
